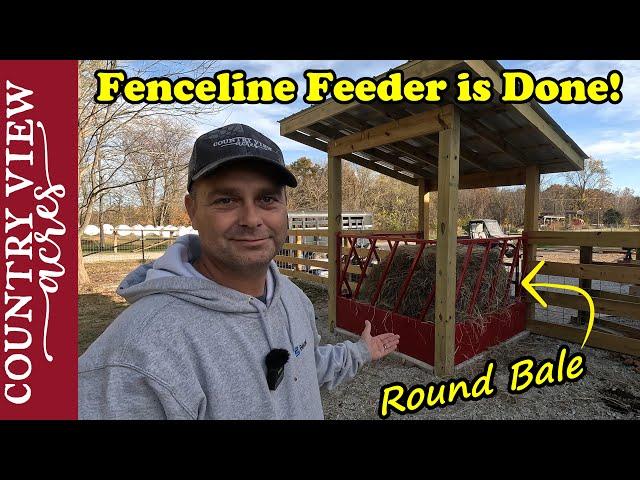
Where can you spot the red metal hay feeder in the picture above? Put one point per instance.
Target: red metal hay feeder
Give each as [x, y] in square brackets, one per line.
[417, 334]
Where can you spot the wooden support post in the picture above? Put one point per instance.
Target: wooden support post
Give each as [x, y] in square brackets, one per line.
[586, 256]
[335, 225]
[531, 210]
[298, 252]
[447, 229]
[423, 208]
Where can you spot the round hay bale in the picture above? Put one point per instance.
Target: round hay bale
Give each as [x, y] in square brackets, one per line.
[92, 230]
[423, 282]
[123, 230]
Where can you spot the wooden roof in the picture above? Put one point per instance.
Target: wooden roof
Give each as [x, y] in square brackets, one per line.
[497, 141]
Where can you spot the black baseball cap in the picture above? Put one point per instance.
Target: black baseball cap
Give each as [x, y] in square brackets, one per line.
[235, 142]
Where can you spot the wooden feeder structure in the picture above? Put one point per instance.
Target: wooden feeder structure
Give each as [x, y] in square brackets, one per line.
[439, 148]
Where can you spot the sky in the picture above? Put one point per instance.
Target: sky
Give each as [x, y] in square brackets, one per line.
[608, 132]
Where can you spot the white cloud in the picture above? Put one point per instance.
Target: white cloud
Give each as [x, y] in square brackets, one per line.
[295, 68]
[630, 69]
[618, 146]
[264, 118]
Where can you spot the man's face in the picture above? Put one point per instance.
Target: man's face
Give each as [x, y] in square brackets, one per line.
[240, 213]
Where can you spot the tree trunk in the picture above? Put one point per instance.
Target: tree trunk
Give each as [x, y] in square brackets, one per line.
[83, 276]
[100, 219]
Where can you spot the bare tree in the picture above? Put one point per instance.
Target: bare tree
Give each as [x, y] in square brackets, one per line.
[625, 202]
[160, 159]
[359, 190]
[594, 176]
[395, 208]
[312, 190]
[359, 186]
[101, 127]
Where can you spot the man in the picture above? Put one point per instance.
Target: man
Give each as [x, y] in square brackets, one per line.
[208, 317]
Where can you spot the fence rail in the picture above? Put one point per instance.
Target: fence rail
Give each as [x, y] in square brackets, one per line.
[621, 333]
[586, 239]
[139, 246]
[303, 256]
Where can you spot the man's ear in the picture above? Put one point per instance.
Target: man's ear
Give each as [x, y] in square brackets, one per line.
[190, 205]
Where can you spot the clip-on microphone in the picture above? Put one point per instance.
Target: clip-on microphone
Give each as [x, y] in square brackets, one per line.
[275, 361]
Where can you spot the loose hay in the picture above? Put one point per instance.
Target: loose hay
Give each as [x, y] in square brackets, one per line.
[424, 281]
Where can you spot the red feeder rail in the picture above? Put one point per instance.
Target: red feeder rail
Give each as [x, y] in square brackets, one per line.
[417, 334]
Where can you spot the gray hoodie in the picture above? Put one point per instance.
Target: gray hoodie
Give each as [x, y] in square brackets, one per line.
[189, 348]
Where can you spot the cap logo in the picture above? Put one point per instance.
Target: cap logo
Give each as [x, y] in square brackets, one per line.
[242, 142]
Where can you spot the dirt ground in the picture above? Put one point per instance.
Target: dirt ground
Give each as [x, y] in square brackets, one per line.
[574, 256]
[609, 390]
[98, 304]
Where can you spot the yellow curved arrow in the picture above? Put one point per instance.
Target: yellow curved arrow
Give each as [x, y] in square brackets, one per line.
[528, 286]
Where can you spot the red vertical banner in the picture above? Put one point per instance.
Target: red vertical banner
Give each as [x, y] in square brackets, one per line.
[39, 115]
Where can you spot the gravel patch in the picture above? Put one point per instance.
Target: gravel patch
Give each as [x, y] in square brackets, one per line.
[610, 389]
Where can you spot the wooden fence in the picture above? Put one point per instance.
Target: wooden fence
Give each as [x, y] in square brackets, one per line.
[298, 248]
[606, 334]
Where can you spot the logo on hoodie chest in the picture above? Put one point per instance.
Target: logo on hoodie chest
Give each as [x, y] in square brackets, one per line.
[297, 350]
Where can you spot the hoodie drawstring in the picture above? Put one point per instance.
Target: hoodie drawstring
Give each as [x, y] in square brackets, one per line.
[265, 327]
[286, 310]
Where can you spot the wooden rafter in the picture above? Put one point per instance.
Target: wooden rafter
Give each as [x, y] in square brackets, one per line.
[527, 111]
[376, 153]
[403, 147]
[496, 125]
[474, 159]
[517, 130]
[394, 131]
[413, 69]
[500, 178]
[466, 155]
[492, 110]
[315, 143]
[495, 139]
